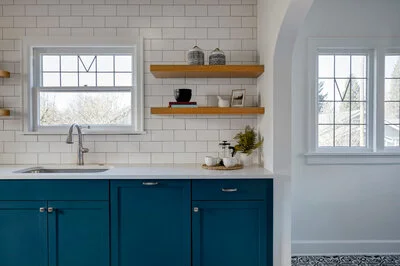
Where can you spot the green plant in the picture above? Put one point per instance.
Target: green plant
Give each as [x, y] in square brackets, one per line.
[247, 141]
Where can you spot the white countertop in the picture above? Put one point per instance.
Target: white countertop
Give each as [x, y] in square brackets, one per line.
[154, 171]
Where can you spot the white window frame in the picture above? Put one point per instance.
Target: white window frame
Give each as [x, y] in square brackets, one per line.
[375, 152]
[30, 108]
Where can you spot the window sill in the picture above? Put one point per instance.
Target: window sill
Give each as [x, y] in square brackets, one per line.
[317, 158]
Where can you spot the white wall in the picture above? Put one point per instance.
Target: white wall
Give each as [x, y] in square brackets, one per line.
[341, 209]
[170, 28]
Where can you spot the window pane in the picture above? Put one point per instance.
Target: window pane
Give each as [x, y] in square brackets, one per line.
[105, 79]
[69, 79]
[342, 66]
[342, 136]
[342, 113]
[93, 108]
[359, 66]
[69, 63]
[325, 113]
[123, 63]
[325, 135]
[51, 63]
[358, 136]
[105, 63]
[391, 135]
[342, 90]
[87, 79]
[392, 111]
[358, 113]
[358, 90]
[87, 63]
[392, 66]
[392, 90]
[325, 66]
[325, 90]
[123, 79]
[51, 80]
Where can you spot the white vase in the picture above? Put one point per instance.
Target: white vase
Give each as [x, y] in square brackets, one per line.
[246, 159]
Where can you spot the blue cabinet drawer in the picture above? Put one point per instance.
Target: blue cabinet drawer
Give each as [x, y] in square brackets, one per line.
[231, 189]
[54, 190]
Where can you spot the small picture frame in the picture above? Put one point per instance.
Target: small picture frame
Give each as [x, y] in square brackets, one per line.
[237, 99]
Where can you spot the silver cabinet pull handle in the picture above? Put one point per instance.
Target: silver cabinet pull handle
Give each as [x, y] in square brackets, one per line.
[150, 183]
[42, 209]
[50, 209]
[195, 209]
[229, 189]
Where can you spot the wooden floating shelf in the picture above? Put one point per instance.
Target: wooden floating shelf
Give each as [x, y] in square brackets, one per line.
[206, 71]
[208, 111]
[4, 74]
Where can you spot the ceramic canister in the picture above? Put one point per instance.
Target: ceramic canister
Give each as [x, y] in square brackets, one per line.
[217, 57]
[195, 56]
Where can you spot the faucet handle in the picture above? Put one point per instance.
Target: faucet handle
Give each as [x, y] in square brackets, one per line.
[84, 150]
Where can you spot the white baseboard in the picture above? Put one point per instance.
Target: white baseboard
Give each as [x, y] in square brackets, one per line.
[352, 247]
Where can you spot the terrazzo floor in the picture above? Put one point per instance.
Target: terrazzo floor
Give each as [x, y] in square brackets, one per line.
[390, 260]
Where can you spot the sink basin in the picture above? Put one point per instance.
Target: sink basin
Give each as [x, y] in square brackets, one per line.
[43, 170]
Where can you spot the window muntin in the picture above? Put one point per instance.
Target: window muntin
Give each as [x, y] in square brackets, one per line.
[392, 100]
[342, 100]
[74, 85]
[86, 70]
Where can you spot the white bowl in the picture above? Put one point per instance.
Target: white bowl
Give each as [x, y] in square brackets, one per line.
[229, 161]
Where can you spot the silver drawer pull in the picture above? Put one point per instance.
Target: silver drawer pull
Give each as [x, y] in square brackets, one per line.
[42, 209]
[150, 183]
[195, 209]
[50, 209]
[229, 189]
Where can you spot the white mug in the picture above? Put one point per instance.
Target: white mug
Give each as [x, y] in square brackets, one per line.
[210, 161]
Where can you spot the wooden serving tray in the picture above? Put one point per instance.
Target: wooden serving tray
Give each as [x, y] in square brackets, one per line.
[221, 167]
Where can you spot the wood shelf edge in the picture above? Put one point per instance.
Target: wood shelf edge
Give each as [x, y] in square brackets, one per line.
[208, 111]
[4, 74]
[207, 71]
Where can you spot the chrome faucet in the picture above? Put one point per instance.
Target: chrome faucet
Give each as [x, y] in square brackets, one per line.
[69, 140]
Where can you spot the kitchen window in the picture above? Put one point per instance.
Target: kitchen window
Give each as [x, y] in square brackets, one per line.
[354, 101]
[92, 82]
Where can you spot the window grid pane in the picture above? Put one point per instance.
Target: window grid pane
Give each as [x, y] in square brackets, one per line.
[87, 72]
[392, 100]
[342, 100]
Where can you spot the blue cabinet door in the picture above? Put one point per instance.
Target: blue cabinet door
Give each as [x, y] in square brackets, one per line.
[150, 223]
[230, 233]
[78, 233]
[23, 233]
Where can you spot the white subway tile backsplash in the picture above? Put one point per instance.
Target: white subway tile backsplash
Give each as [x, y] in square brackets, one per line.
[150, 10]
[170, 29]
[105, 10]
[150, 146]
[195, 10]
[219, 11]
[105, 146]
[173, 10]
[13, 10]
[59, 10]
[128, 10]
[185, 157]
[139, 158]
[26, 158]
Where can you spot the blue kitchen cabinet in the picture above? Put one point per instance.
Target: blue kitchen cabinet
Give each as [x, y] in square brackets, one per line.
[54, 223]
[23, 233]
[150, 223]
[78, 233]
[232, 222]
